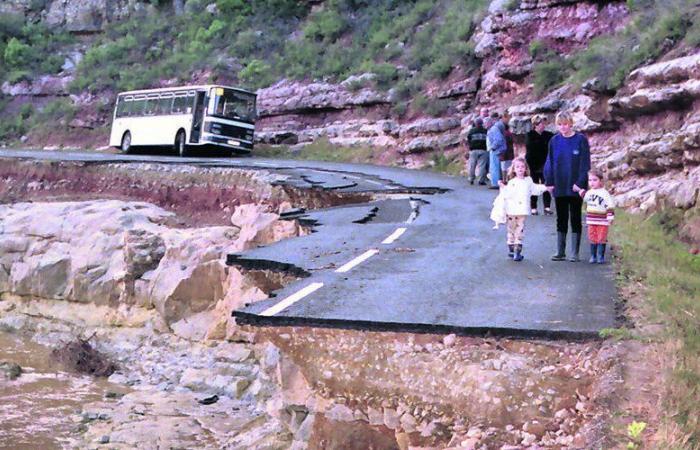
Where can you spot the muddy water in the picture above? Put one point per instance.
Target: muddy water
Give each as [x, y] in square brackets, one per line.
[41, 408]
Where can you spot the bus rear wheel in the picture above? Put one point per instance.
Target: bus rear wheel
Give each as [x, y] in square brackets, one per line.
[180, 143]
[126, 142]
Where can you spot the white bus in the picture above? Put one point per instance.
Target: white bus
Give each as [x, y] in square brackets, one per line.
[184, 117]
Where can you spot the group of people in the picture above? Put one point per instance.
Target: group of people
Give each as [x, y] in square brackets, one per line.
[555, 165]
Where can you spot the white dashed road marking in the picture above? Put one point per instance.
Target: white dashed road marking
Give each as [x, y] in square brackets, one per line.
[349, 265]
[394, 236]
[292, 299]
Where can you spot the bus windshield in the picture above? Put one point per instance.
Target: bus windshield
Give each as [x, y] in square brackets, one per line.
[230, 104]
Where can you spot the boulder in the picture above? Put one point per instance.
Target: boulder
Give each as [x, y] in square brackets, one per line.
[656, 99]
[429, 125]
[42, 86]
[667, 72]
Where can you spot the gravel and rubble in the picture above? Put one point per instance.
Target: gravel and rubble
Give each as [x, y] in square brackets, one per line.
[434, 391]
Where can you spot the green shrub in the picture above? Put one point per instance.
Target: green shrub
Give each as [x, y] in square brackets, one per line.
[654, 28]
[326, 25]
[451, 165]
[10, 25]
[26, 111]
[432, 106]
[17, 53]
[386, 74]
[549, 74]
[256, 74]
[537, 48]
[15, 76]
[234, 7]
[399, 109]
[437, 107]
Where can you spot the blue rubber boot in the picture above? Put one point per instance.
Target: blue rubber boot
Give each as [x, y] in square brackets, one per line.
[601, 254]
[518, 253]
[594, 254]
[511, 251]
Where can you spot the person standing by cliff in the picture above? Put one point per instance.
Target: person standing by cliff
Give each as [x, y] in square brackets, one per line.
[506, 158]
[478, 157]
[496, 145]
[536, 148]
[565, 173]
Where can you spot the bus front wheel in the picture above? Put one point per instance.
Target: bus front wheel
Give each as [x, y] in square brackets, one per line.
[126, 142]
[180, 143]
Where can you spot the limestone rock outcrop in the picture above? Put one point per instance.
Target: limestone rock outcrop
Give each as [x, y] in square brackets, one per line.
[87, 16]
[118, 255]
[43, 86]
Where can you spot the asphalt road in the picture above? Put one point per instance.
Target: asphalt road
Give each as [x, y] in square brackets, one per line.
[424, 258]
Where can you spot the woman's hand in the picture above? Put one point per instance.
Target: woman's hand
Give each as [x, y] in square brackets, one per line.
[501, 183]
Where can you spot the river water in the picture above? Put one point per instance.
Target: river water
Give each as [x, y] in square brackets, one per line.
[41, 409]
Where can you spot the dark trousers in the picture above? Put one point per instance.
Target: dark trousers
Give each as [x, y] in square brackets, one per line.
[568, 207]
[538, 177]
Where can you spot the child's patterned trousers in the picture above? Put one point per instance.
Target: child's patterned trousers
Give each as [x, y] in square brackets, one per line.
[515, 228]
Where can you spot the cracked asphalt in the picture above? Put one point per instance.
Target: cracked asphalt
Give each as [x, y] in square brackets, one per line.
[446, 271]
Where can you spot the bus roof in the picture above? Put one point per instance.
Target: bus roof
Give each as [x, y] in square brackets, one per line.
[186, 88]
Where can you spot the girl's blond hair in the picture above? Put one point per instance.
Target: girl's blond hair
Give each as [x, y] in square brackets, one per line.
[511, 169]
[564, 116]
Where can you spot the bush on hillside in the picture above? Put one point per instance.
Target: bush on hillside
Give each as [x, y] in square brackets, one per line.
[654, 28]
[256, 74]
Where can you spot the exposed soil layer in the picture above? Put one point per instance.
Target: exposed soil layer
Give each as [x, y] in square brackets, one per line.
[445, 391]
[198, 196]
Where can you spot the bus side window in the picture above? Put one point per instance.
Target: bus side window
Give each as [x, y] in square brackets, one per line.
[151, 105]
[190, 103]
[120, 107]
[180, 105]
[125, 107]
[139, 106]
[164, 105]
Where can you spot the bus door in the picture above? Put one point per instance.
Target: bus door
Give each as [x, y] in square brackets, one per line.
[198, 118]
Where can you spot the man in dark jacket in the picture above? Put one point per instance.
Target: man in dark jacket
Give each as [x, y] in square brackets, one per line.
[476, 140]
[536, 148]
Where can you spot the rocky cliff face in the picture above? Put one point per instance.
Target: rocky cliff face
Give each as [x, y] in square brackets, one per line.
[643, 135]
[85, 16]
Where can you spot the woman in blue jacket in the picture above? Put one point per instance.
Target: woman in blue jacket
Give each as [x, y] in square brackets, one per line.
[567, 166]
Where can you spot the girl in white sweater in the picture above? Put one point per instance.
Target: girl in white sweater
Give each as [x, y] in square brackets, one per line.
[517, 204]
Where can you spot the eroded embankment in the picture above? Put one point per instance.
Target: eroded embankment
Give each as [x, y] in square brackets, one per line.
[395, 390]
[125, 265]
[197, 195]
[134, 256]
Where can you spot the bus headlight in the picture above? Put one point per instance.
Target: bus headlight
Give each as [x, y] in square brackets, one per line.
[213, 127]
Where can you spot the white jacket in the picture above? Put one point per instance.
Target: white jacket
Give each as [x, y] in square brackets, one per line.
[517, 195]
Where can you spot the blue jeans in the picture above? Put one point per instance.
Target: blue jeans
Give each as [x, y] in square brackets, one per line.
[494, 168]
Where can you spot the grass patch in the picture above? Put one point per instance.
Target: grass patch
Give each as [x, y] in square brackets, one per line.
[651, 254]
[319, 150]
[450, 165]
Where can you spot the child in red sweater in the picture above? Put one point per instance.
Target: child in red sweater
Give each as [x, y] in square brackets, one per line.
[599, 215]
